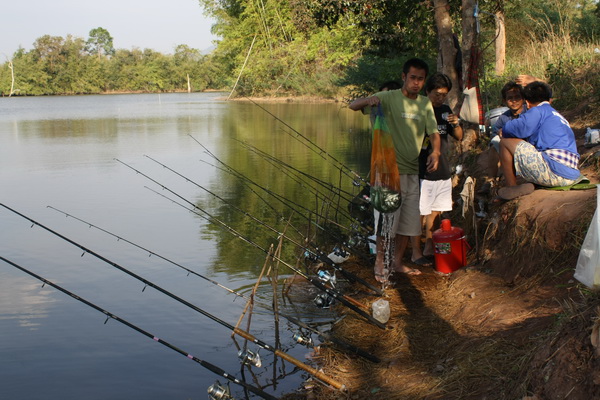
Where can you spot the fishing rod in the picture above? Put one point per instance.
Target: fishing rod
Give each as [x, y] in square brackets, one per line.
[246, 335]
[345, 169]
[354, 237]
[211, 367]
[326, 185]
[286, 202]
[302, 179]
[332, 293]
[318, 253]
[329, 291]
[324, 335]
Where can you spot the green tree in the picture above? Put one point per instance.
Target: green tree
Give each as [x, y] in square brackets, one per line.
[100, 43]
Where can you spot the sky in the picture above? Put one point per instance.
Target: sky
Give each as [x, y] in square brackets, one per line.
[154, 24]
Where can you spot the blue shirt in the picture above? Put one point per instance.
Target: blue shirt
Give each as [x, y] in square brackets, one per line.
[503, 119]
[545, 129]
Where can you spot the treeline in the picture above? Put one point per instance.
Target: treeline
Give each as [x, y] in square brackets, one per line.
[320, 47]
[72, 65]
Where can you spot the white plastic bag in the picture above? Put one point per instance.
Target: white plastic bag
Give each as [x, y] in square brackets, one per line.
[469, 111]
[587, 270]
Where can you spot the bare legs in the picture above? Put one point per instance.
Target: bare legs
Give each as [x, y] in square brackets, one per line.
[507, 158]
[432, 221]
[511, 191]
[400, 243]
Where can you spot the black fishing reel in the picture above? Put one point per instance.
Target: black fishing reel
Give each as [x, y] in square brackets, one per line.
[323, 300]
[248, 357]
[216, 391]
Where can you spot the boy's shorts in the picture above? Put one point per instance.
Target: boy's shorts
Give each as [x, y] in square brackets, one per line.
[407, 220]
[435, 196]
[531, 166]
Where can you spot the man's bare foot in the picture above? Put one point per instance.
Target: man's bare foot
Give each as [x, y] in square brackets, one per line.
[403, 269]
[381, 273]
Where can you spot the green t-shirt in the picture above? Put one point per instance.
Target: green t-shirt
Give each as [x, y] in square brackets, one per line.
[408, 121]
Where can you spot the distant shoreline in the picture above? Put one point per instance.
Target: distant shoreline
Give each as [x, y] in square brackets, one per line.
[265, 99]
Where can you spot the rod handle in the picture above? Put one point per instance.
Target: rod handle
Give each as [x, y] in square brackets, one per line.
[314, 372]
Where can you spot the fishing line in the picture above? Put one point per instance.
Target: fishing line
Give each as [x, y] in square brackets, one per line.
[293, 320]
[286, 202]
[274, 160]
[320, 255]
[246, 335]
[347, 171]
[211, 367]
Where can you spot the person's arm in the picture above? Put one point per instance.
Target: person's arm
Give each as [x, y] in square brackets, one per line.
[457, 131]
[434, 157]
[525, 80]
[522, 127]
[362, 102]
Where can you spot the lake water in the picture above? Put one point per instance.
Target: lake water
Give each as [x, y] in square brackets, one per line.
[70, 153]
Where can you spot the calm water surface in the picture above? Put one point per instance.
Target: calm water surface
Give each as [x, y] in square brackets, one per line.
[62, 152]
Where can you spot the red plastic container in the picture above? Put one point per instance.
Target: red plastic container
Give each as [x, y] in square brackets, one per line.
[450, 248]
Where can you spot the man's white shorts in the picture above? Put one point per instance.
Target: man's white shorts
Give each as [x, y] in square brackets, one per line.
[435, 196]
[407, 221]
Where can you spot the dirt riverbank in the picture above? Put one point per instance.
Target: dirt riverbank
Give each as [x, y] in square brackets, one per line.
[514, 324]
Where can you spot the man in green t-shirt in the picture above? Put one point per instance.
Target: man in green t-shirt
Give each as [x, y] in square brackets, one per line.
[409, 117]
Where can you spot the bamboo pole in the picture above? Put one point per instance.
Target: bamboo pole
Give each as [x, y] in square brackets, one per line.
[243, 66]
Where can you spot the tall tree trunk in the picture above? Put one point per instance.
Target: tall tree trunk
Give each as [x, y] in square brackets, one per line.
[447, 50]
[469, 33]
[500, 43]
[470, 36]
[12, 76]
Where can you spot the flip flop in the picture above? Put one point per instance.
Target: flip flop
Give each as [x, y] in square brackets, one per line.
[512, 192]
[381, 277]
[422, 262]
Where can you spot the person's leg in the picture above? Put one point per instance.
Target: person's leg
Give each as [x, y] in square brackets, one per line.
[401, 243]
[494, 157]
[409, 222]
[417, 256]
[431, 222]
[507, 151]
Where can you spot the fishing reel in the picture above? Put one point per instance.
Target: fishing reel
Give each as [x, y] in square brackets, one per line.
[323, 300]
[250, 358]
[216, 391]
[327, 277]
[310, 256]
[303, 340]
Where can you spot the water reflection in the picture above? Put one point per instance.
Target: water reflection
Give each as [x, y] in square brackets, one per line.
[25, 303]
[60, 152]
